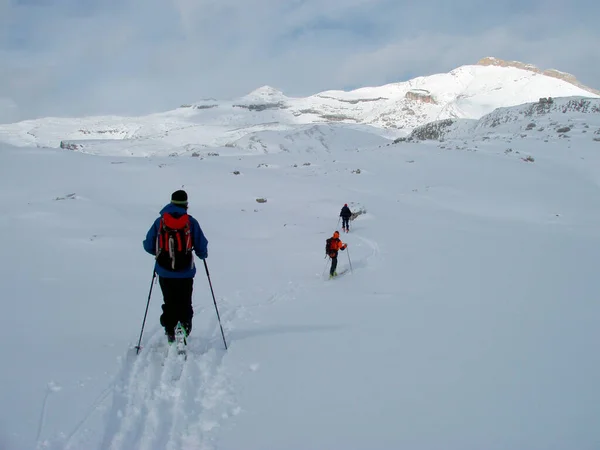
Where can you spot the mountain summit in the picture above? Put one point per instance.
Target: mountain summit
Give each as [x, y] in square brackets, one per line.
[264, 93]
[491, 61]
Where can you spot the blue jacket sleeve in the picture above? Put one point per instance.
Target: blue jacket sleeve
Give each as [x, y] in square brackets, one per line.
[200, 241]
[150, 241]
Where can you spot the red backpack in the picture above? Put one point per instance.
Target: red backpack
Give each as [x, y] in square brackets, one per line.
[330, 245]
[174, 246]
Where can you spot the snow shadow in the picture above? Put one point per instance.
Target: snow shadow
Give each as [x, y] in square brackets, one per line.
[238, 335]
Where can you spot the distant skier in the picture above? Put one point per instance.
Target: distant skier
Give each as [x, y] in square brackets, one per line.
[332, 246]
[173, 238]
[345, 214]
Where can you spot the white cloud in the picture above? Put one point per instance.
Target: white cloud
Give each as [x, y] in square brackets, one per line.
[137, 56]
[8, 110]
[429, 53]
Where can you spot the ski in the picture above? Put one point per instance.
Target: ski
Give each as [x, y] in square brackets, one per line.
[339, 274]
[181, 340]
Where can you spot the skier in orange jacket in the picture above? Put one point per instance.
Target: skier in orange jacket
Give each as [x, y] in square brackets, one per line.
[333, 245]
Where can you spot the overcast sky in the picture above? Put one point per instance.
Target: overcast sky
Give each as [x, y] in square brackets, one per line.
[80, 57]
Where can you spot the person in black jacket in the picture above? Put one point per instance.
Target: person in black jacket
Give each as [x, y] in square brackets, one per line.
[345, 214]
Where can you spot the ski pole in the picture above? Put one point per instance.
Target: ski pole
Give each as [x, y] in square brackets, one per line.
[338, 224]
[139, 347]
[349, 262]
[215, 302]
[325, 267]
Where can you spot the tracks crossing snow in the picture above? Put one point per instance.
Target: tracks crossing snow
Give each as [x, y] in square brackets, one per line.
[161, 401]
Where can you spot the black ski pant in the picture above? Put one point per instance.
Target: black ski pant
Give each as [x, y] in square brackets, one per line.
[177, 307]
[333, 264]
[345, 222]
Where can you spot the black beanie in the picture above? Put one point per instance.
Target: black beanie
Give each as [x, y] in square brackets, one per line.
[179, 198]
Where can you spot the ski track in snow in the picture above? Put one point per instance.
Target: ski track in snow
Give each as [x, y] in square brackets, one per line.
[373, 245]
[161, 401]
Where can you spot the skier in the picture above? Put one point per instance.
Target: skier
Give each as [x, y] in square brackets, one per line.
[333, 244]
[345, 214]
[173, 238]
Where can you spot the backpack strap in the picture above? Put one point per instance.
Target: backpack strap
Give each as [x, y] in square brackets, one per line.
[188, 238]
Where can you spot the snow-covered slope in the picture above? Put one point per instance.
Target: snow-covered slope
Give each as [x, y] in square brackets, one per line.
[467, 319]
[390, 111]
[545, 119]
[300, 139]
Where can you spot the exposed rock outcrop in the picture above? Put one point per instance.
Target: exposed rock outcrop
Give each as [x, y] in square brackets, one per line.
[491, 61]
[420, 95]
[432, 131]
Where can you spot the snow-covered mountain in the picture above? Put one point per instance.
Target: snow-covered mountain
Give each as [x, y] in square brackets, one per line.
[240, 125]
[491, 61]
[546, 119]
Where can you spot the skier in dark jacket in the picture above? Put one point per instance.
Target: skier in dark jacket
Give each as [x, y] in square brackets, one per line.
[173, 238]
[345, 214]
[332, 246]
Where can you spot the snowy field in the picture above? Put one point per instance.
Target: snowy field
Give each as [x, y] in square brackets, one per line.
[469, 320]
